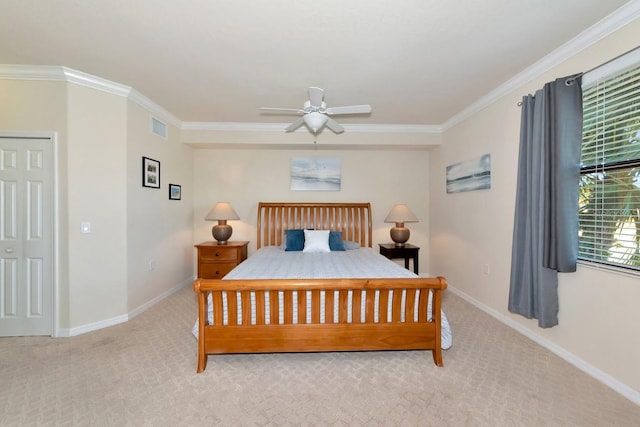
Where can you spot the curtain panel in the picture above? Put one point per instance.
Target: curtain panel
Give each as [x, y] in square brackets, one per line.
[545, 235]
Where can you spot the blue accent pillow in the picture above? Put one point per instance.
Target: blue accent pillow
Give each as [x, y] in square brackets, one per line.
[335, 241]
[295, 240]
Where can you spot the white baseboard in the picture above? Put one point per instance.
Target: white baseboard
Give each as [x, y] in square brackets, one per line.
[79, 330]
[90, 327]
[608, 380]
[159, 298]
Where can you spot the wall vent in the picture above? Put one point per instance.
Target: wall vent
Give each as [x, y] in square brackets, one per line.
[158, 127]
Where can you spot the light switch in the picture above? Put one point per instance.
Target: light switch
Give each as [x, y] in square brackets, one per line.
[85, 227]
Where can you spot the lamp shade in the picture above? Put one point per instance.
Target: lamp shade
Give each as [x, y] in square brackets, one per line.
[401, 213]
[221, 210]
[315, 120]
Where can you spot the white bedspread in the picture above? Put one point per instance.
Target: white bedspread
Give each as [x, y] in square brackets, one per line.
[274, 263]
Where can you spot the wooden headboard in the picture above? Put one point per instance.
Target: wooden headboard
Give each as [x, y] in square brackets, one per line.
[352, 219]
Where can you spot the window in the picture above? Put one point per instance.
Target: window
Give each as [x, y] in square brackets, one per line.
[609, 214]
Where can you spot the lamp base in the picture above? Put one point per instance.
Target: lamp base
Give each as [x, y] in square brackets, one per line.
[222, 232]
[399, 234]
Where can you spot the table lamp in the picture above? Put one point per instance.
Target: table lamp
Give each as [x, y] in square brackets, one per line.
[400, 214]
[222, 211]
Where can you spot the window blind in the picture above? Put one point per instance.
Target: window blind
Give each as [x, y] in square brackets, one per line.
[609, 215]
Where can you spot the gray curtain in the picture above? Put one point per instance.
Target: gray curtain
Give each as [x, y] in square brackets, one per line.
[545, 235]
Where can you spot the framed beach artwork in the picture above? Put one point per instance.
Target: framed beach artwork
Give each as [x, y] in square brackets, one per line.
[315, 174]
[471, 175]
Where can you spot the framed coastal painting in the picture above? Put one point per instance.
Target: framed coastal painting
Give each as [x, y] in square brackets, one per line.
[470, 175]
[315, 174]
[150, 173]
[175, 192]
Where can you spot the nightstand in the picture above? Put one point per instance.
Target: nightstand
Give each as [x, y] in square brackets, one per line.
[408, 251]
[215, 260]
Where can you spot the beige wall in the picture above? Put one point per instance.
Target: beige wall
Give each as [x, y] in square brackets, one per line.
[245, 177]
[103, 276]
[598, 310]
[96, 146]
[159, 230]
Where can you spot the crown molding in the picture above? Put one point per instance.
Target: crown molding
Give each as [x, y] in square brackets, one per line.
[31, 72]
[234, 126]
[63, 74]
[94, 82]
[393, 128]
[155, 109]
[69, 75]
[279, 127]
[611, 23]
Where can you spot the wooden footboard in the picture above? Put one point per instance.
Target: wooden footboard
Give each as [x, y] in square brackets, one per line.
[309, 315]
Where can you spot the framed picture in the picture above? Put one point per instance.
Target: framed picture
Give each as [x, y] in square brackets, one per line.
[150, 173]
[315, 174]
[175, 192]
[471, 175]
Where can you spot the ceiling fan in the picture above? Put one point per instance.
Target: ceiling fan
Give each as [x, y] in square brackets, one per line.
[315, 113]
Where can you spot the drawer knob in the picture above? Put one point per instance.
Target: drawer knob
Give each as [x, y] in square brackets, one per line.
[217, 253]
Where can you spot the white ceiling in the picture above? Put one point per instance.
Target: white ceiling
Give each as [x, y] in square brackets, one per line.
[416, 62]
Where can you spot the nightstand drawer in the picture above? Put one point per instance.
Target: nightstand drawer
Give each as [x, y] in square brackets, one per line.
[216, 271]
[217, 254]
[215, 261]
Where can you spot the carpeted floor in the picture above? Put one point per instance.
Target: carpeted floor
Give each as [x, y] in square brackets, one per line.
[142, 373]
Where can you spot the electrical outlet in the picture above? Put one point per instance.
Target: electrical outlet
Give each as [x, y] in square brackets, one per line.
[487, 269]
[152, 265]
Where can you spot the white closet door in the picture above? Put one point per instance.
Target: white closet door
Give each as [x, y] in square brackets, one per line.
[26, 238]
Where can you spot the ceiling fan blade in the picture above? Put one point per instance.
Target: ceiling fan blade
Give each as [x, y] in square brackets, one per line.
[283, 110]
[350, 109]
[295, 125]
[334, 126]
[315, 96]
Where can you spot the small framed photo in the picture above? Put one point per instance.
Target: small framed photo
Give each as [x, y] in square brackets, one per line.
[150, 173]
[175, 192]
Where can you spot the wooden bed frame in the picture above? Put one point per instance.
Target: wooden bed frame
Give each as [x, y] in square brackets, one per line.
[399, 332]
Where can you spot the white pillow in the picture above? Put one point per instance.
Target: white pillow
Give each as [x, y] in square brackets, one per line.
[316, 241]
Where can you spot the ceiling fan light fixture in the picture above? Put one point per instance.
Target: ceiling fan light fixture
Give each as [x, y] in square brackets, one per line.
[316, 115]
[315, 121]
